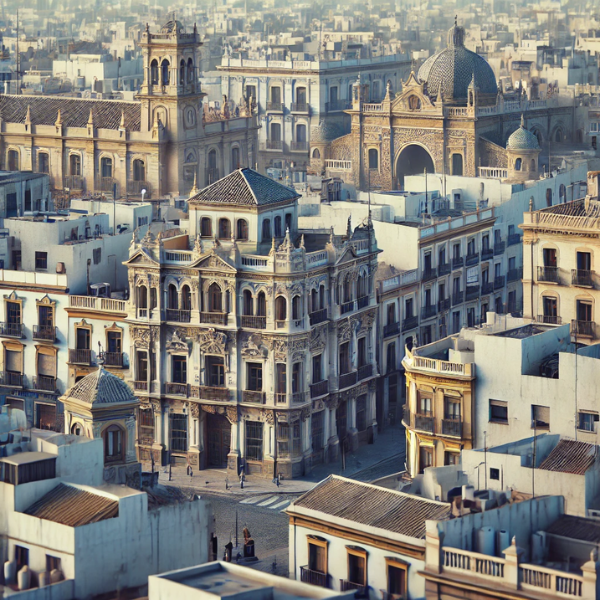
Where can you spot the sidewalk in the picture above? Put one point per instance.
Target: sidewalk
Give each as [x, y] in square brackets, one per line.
[388, 444]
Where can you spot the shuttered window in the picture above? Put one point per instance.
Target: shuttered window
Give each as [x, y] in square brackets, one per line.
[540, 416]
[46, 365]
[13, 361]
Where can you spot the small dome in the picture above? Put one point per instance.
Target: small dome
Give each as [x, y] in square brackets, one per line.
[171, 26]
[101, 387]
[522, 139]
[454, 68]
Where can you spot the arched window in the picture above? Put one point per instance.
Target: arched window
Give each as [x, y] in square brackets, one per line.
[212, 159]
[106, 167]
[280, 308]
[43, 162]
[316, 154]
[248, 303]
[321, 297]
[518, 163]
[186, 298]
[277, 227]
[77, 429]
[13, 160]
[347, 289]
[532, 166]
[414, 103]
[235, 158]
[242, 229]
[562, 193]
[114, 444]
[261, 305]
[215, 298]
[206, 227]
[362, 286]
[373, 158]
[154, 72]
[172, 299]
[165, 72]
[457, 164]
[224, 229]
[296, 308]
[142, 296]
[548, 197]
[559, 135]
[288, 222]
[182, 72]
[266, 230]
[314, 300]
[75, 164]
[190, 70]
[139, 170]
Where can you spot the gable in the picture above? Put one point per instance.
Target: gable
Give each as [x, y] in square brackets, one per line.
[212, 262]
[141, 257]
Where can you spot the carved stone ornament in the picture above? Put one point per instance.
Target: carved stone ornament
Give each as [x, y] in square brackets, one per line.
[194, 410]
[305, 413]
[232, 414]
[176, 344]
[212, 341]
[143, 336]
[332, 401]
[253, 346]
[280, 350]
[269, 416]
[318, 338]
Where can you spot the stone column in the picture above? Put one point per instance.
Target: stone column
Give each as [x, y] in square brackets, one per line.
[194, 447]
[351, 424]
[233, 457]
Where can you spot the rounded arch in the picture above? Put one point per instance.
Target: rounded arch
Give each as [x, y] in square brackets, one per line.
[549, 197]
[413, 159]
[190, 70]
[316, 153]
[236, 154]
[77, 429]
[182, 72]
[164, 72]
[242, 230]
[161, 114]
[280, 308]
[186, 297]
[206, 227]
[261, 304]
[266, 230]
[115, 440]
[172, 296]
[247, 302]
[224, 228]
[13, 158]
[154, 77]
[215, 298]
[296, 307]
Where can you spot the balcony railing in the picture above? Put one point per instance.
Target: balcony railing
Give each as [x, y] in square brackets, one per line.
[452, 427]
[583, 328]
[177, 389]
[548, 274]
[135, 188]
[499, 282]
[44, 383]
[424, 423]
[362, 302]
[499, 247]
[444, 269]
[274, 145]
[47, 334]
[207, 392]
[74, 182]
[427, 312]
[315, 577]
[515, 274]
[391, 329]
[472, 292]
[253, 397]
[10, 379]
[347, 307]
[457, 298]
[299, 397]
[281, 398]
[113, 359]
[301, 107]
[299, 146]
[276, 106]
[214, 318]
[80, 356]
[105, 184]
[179, 316]
[347, 586]
[140, 386]
[443, 304]
[487, 253]
[487, 287]
[410, 323]
[514, 238]
[321, 388]
[253, 322]
[347, 379]
[336, 105]
[14, 330]
[582, 278]
[429, 274]
[318, 316]
[472, 259]
[365, 371]
[142, 313]
[457, 262]
[549, 319]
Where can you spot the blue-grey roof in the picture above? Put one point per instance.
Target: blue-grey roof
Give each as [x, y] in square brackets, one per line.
[522, 139]
[244, 187]
[101, 387]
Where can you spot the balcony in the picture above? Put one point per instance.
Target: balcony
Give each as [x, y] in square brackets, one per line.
[347, 307]
[207, 392]
[274, 145]
[389, 596]
[176, 389]
[314, 577]
[548, 274]
[429, 274]
[348, 586]
[337, 105]
[424, 423]
[362, 302]
[140, 386]
[299, 146]
[13, 330]
[514, 274]
[487, 287]
[44, 383]
[321, 388]
[281, 398]
[391, 329]
[427, 312]
[583, 328]
[105, 184]
[406, 416]
[499, 247]
[253, 322]
[11, 379]
[80, 356]
[347, 379]
[300, 107]
[74, 182]
[364, 372]
[214, 318]
[514, 239]
[457, 298]
[299, 397]
[135, 188]
[457, 262]
[45, 334]
[582, 278]
[499, 282]
[253, 397]
[410, 323]
[142, 313]
[472, 292]
[472, 259]
[549, 319]
[318, 316]
[443, 304]
[212, 175]
[179, 316]
[452, 427]
[113, 359]
[275, 106]
[444, 269]
[487, 253]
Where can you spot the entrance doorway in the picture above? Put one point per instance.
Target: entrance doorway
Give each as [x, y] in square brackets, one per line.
[219, 440]
[413, 160]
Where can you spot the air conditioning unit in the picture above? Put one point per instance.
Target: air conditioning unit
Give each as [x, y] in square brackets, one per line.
[60, 268]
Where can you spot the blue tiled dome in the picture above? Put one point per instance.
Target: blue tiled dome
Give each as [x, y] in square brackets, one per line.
[522, 139]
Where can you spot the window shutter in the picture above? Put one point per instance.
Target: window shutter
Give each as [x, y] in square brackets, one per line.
[13, 361]
[47, 365]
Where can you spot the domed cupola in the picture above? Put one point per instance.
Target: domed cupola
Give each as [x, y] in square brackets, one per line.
[522, 153]
[452, 70]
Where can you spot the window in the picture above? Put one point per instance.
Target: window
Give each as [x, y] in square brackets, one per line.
[97, 255]
[139, 170]
[451, 458]
[587, 420]
[106, 167]
[154, 72]
[251, 92]
[179, 369]
[146, 427]
[495, 474]
[206, 227]
[280, 308]
[425, 458]
[186, 298]
[113, 444]
[288, 222]
[142, 366]
[498, 411]
[391, 358]
[190, 70]
[584, 311]
[182, 72]
[235, 158]
[277, 227]
[361, 413]
[317, 431]
[21, 556]
[424, 404]
[408, 308]
[13, 160]
[317, 553]
[266, 230]
[43, 162]
[41, 260]
[179, 432]
[391, 313]
[297, 377]
[281, 378]
[550, 258]
[362, 351]
[242, 230]
[317, 368]
[457, 164]
[254, 377]
[224, 229]
[540, 416]
[247, 303]
[357, 566]
[13, 313]
[165, 72]
[518, 164]
[584, 261]
[276, 95]
[301, 133]
[45, 318]
[373, 158]
[333, 96]
[254, 440]
[52, 563]
[451, 408]
[261, 305]
[396, 578]
[215, 371]
[344, 366]
[275, 134]
[82, 338]
[548, 197]
[215, 298]
[296, 308]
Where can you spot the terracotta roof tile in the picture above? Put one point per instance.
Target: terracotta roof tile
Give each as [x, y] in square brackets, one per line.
[578, 528]
[569, 456]
[101, 387]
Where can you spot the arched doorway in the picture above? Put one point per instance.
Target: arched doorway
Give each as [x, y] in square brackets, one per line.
[218, 430]
[413, 160]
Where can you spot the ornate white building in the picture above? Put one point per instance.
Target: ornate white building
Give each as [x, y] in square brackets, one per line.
[252, 342]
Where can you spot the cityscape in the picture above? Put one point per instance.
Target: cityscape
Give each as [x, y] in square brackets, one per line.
[299, 300]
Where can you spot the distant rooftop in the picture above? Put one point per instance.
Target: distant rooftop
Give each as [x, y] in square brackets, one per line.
[570, 456]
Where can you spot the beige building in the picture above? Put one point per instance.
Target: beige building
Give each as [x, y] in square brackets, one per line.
[562, 245]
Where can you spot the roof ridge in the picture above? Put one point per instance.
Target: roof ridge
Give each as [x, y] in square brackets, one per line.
[50, 97]
[243, 174]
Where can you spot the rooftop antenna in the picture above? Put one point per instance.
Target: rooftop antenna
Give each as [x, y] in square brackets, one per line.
[18, 64]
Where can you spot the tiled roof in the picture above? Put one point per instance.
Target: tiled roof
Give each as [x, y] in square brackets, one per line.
[578, 528]
[73, 507]
[244, 186]
[101, 387]
[522, 139]
[74, 112]
[373, 506]
[569, 456]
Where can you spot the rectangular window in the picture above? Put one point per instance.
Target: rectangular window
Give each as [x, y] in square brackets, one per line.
[114, 342]
[396, 579]
[361, 413]
[215, 370]
[540, 416]
[179, 432]
[391, 313]
[296, 377]
[254, 375]
[21, 556]
[45, 317]
[146, 427]
[52, 562]
[82, 338]
[451, 408]
[425, 457]
[391, 358]
[344, 358]
[317, 431]
[317, 368]
[408, 308]
[550, 257]
[362, 351]
[498, 411]
[179, 366]
[495, 474]
[142, 366]
[451, 458]
[13, 313]
[97, 255]
[424, 404]
[317, 556]
[41, 260]
[281, 381]
[357, 567]
[584, 261]
[587, 420]
[254, 440]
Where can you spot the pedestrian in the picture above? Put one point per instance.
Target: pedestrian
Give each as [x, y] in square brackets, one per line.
[191, 473]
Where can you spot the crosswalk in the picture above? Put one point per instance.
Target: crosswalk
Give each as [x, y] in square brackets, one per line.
[274, 502]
